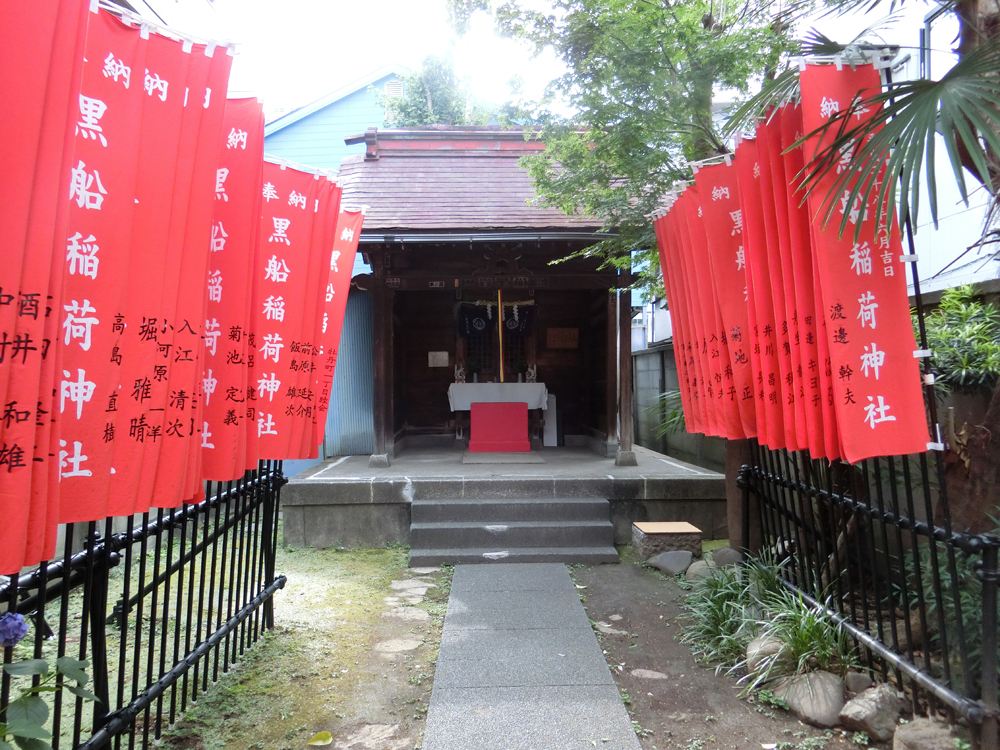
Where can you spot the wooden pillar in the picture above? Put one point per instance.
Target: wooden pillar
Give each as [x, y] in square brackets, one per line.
[382, 371]
[626, 455]
[611, 370]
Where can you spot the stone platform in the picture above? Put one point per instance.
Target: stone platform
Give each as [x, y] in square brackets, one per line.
[344, 503]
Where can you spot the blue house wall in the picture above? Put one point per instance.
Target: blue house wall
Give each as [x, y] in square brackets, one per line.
[318, 139]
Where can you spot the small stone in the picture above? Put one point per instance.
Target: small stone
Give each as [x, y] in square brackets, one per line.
[424, 571]
[408, 614]
[375, 737]
[605, 628]
[699, 569]
[857, 682]
[727, 556]
[673, 562]
[411, 584]
[395, 645]
[614, 618]
[648, 674]
[815, 698]
[874, 712]
[923, 734]
[759, 649]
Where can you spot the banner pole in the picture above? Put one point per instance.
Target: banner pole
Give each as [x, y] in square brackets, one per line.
[500, 307]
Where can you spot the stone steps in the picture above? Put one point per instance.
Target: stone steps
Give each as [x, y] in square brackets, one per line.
[570, 530]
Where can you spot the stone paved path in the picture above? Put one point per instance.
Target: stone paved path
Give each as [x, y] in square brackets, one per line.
[520, 667]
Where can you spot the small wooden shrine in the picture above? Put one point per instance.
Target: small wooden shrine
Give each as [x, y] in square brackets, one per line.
[466, 289]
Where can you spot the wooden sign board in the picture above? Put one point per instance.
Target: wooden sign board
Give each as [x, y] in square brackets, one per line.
[562, 338]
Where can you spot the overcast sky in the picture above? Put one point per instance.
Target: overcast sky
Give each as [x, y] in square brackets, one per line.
[292, 52]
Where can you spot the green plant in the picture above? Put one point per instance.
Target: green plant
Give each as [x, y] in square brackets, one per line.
[25, 716]
[964, 334]
[670, 410]
[810, 641]
[724, 609]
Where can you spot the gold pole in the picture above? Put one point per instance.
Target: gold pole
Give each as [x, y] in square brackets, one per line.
[500, 305]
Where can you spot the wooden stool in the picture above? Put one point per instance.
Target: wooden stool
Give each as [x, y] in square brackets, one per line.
[650, 538]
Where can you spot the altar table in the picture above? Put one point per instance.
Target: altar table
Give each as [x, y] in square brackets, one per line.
[499, 413]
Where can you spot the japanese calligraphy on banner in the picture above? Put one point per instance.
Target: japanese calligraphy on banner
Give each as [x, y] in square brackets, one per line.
[723, 221]
[820, 342]
[35, 149]
[345, 246]
[285, 348]
[229, 396]
[876, 379]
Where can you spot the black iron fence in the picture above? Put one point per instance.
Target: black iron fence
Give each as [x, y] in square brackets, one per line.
[862, 541]
[160, 605]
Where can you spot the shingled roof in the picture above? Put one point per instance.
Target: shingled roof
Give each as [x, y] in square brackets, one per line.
[448, 179]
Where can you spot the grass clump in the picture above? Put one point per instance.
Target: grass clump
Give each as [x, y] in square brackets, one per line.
[737, 604]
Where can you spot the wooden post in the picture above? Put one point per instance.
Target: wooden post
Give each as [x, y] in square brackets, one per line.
[611, 368]
[382, 370]
[626, 455]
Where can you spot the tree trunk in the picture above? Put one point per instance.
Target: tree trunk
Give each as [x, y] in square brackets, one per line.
[972, 492]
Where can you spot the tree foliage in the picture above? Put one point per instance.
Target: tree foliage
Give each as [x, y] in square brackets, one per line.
[641, 81]
[434, 95]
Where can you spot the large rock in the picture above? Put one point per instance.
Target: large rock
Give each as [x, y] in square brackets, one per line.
[727, 556]
[815, 698]
[699, 569]
[857, 682]
[759, 649]
[923, 734]
[671, 563]
[874, 712]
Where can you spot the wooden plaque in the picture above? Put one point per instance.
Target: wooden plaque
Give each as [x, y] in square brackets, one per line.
[562, 338]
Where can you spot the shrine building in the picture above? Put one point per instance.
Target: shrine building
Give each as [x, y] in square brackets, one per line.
[453, 226]
[475, 306]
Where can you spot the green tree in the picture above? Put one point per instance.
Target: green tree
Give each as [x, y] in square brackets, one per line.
[434, 95]
[641, 82]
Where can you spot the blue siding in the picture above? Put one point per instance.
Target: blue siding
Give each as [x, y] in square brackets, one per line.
[349, 425]
[318, 140]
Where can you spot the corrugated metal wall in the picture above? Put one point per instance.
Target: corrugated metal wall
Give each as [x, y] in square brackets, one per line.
[349, 425]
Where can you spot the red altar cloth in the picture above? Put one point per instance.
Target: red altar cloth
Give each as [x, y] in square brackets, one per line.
[499, 428]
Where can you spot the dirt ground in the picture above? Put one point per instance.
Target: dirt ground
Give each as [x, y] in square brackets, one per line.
[357, 639]
[352, 654]
[688, 707]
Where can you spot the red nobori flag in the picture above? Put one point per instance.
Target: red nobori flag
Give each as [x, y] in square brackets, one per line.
[98, 249]
[723, 223]
[765, 347]
[233, 242]
[678, 321]
[726, 395]
[286, 237]
[876, 379]
[703, 313]
[46, 51]
[683, 284]
[820, 415]
[773, 227]
[345, 246]
[305, 395]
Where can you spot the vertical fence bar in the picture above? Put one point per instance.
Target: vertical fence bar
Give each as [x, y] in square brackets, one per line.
[990, 576]
[84, 620]
[8, 653]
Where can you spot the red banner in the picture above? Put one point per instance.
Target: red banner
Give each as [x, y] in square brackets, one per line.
[102, 197]
[35, 149]
[233, 243]
[679, 319]
[771, 429]
[345, 246]
[284, 345]
[723, 222]
[876, 379]
[820, 416]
